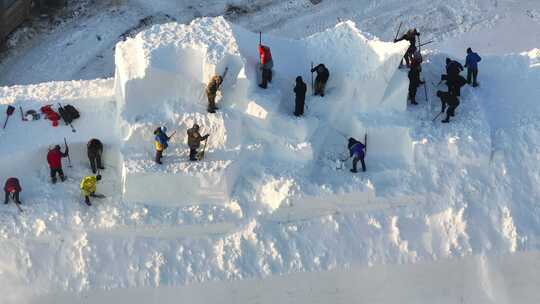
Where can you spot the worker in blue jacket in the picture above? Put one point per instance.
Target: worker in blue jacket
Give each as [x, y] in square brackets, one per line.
[161, 142]
[356, 150]
[471, 63]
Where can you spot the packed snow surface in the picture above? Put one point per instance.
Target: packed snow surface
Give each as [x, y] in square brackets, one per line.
[272, 196]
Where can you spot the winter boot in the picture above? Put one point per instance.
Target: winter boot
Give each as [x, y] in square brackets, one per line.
[53, 180]
[354, 171]
[445, 121]
[87, 201]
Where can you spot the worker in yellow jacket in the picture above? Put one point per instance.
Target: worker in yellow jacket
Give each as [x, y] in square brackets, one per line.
[88, 187]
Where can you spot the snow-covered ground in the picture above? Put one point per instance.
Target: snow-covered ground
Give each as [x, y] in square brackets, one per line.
[475, 279]
[276, 200]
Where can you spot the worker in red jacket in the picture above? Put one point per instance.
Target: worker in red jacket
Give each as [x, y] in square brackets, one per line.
[266, 65]
[54, 158]
[13, 188]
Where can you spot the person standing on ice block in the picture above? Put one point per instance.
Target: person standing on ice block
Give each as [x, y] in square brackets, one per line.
[194, 141]
[410, 36]
[89, 187]
[471, 63]
[356, 150]
[322, 77]
[266, 65]
[54, 158]
[450, 99]
[211, 92]
[161, 142]
[95, 149]
[300, 91]
[12, 188]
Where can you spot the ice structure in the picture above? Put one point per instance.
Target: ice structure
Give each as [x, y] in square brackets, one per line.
[160, 80]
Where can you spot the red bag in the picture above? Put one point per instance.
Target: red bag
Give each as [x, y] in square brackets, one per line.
[50, 114]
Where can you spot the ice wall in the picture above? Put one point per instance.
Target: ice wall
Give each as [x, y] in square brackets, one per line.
[173, 61]
[160, 80]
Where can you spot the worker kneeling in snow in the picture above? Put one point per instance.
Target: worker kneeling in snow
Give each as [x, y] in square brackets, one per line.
[161, 142]
[356, 150]
[89, 187]
[12, 188]
[194, 141]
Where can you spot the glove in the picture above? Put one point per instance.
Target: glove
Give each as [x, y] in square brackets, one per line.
[206, 136]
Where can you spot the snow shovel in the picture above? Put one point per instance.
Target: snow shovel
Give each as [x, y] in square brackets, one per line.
[398, 30]
[69, 158]
[98, 195]
[200, 155]
[62, 114]
[223, 76]
[22, 114]
[312, 86]
[365, 145]
[341, 164]
[9, 112]
[12, 196]
[437, 116]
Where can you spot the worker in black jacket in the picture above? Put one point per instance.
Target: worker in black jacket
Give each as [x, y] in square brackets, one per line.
[322, 77]
[95, 150]
[448, 99]
[300, 91]
[414, 83]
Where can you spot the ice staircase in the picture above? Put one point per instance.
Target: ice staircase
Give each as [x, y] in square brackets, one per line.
[160, 79]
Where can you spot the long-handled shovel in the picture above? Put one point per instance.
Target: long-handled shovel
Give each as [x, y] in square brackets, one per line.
[9, 112]
[200, 155]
